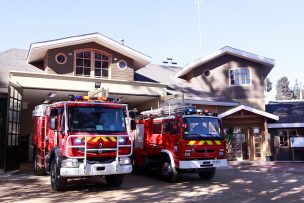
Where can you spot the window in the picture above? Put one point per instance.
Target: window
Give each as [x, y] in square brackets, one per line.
[122, 65]
[156, 128]
[60, 58]
[240, 76]
[172, 127]
[285, 135]
[92, 63]
[96, 119]
[207, 73]
[201, 127]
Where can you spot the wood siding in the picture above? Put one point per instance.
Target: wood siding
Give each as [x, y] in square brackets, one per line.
[219, 84]
[52, 67]
[285, 153]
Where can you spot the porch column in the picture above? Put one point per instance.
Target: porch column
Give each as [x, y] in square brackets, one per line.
[267, 148]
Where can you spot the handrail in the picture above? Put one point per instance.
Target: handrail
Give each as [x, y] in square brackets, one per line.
[70, 145]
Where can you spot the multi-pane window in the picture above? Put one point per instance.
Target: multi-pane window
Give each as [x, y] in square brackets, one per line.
[14, 112]
[285, 135]
[92, 63]
[240, 76]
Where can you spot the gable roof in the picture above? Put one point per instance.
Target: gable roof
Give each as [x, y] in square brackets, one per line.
[193, 94]
[38, 50]
[13, 60]
[250, 109]
[289, 112]
[226, 50]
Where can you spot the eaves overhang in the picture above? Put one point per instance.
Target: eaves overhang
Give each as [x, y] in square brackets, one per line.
[250, 109]
[38, 50]
[226, 50]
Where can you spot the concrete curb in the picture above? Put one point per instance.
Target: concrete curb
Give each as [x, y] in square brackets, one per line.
[282, 167]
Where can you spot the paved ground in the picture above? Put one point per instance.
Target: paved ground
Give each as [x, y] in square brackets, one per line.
[241, 182]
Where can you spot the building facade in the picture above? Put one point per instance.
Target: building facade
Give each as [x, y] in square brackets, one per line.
[287, 134]
[228, 81]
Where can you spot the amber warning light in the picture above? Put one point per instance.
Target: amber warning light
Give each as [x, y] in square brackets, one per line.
[87, 98]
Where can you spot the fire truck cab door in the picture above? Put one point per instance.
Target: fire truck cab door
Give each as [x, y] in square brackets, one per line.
[171, 136]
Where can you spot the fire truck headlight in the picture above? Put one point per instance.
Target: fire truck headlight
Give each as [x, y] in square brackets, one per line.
[221, 153]
[78, 141]
[121, 140]
[124, 161]
[69, 163]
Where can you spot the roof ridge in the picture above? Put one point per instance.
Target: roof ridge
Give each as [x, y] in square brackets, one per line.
[11, 49]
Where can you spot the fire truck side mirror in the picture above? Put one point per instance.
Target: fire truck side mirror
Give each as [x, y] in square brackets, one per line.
[53, 123]
[133, 124]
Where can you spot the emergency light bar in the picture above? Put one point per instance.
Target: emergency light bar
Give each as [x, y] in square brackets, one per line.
[186, 110]
[87, 98]
[190, 110]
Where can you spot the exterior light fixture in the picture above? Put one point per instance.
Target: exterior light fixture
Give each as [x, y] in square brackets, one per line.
[97, 84]
[52, 94]
[46, 101]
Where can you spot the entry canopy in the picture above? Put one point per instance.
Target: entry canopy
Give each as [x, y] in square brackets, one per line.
[250, 109]
[38, 50]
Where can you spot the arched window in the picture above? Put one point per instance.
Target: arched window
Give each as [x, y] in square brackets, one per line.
[92, 63]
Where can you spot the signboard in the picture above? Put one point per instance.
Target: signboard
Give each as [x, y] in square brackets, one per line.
[297, 141]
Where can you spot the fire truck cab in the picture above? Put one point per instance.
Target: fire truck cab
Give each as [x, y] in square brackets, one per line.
[82, 137]
[180, 143]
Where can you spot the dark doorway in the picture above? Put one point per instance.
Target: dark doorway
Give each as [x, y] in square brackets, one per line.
[3, 106]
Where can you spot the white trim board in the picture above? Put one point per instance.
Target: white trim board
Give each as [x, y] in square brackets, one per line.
[250, 109]
[285, 125]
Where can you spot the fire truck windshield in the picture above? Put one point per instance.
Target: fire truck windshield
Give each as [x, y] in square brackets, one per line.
[96, 119]
[201, 127]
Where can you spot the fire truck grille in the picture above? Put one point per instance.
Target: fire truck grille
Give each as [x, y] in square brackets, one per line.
[204, 151]
[93, 160]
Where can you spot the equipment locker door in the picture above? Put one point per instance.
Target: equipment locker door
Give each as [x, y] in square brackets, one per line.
[12, 152]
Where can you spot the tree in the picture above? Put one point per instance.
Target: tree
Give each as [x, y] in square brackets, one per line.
[296, 90]
[283, 90]
[267, 85]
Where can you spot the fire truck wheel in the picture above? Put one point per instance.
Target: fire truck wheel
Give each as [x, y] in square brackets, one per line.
[39, 171]
[168, 173]
[57, 182]
[207, 175]
[135, 168]
[114, 180]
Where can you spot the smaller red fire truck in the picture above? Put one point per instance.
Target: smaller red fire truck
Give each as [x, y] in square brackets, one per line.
[82, 137]
[187, 141]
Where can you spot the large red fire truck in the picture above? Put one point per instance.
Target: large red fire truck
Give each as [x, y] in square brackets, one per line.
[82, 137]
[187, 141]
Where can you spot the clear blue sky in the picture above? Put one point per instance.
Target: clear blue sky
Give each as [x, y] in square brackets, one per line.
[167, 28]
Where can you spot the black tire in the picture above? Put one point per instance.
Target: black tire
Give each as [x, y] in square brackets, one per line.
[167, 172]
[38, 170]
[207, 175]
[57, 182]
[114, 180]
[135, 168]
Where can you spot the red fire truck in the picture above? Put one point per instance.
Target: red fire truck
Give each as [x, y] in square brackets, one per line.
[82, 137]
[189, 141]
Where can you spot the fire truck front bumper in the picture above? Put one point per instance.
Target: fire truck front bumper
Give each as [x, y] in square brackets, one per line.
[96, 169]
[200, 164]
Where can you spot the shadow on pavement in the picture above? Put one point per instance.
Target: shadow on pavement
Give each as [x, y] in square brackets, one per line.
[229, 185]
